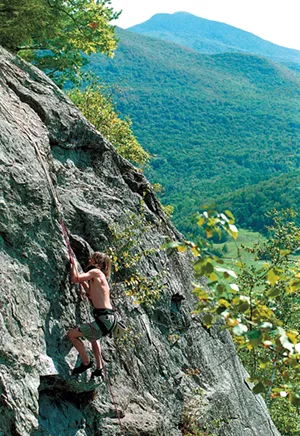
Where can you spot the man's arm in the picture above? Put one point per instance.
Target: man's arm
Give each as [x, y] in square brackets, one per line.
[86, 287]
[82, 277]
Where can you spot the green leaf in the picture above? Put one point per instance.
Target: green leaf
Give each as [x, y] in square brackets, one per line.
[214, 279]
[285, 252]
[294, 286]
[172, 244]
[207, 319]
[201, 220]
[221, 288]
[220, 310]
[202, 294]
[229, 214]
[199, 266]
[199, 263]
[258, 388]
[272, 277]
[223, 302]
[293, 335]
[228, 272]
[209, 268]
[254, 337]
[243, 307]
[274, 292]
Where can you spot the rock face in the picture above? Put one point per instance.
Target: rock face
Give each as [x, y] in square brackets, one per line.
[170, 375]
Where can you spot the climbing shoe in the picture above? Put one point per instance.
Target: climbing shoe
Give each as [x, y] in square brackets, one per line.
[81, 368]
[97, 373]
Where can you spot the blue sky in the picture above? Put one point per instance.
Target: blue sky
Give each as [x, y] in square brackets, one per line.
[277, 21]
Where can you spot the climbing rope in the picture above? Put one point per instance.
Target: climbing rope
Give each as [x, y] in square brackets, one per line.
[72, 259]
[72, 256]
[113, 398]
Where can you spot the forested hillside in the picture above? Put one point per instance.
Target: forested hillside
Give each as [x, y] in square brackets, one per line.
[251, 204]
[212, 37]
[213, 123]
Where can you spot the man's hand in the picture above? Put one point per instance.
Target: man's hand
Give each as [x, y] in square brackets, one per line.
[74, 272]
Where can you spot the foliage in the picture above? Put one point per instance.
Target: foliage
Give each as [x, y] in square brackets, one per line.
[259, 303]
[168, 209]
[130, 338]
[213, 124]
[283, 414]
[99, 109]
[127, 257]
[56, 34]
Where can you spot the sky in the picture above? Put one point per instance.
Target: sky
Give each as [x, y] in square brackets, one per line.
[277, 21]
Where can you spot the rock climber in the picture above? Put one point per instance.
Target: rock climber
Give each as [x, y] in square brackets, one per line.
[97, 289]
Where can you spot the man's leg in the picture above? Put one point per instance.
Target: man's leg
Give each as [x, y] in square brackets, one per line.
[97, 353]
[74, 336]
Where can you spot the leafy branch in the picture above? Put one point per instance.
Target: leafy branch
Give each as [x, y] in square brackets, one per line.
[258, 303]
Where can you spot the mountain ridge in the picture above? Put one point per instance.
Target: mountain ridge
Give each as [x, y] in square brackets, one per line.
[208, 36]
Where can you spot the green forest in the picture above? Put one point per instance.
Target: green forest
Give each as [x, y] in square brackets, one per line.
[213, 124]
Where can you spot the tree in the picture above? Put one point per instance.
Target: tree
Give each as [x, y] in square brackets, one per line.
[259, 303]
[55, 35]
[98, 108]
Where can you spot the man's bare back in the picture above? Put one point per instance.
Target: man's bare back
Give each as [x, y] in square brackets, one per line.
[98, 291]
[97, 288]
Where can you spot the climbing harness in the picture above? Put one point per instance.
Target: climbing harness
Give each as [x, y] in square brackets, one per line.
[72, 256]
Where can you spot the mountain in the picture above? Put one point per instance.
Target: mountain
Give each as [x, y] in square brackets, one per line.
[212, 37]
[169, 372]
[213, 123]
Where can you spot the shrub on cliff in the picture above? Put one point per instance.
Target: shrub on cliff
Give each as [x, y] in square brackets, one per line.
[99, 109]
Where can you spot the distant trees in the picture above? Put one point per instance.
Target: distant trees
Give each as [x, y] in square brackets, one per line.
[56, 34]
[251, 204]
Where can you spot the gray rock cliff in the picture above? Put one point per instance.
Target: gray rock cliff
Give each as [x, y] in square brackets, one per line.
[171, 374]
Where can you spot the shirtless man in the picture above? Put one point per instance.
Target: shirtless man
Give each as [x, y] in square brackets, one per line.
[98, 293]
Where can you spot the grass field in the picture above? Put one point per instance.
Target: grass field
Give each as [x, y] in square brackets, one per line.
[232, 250]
